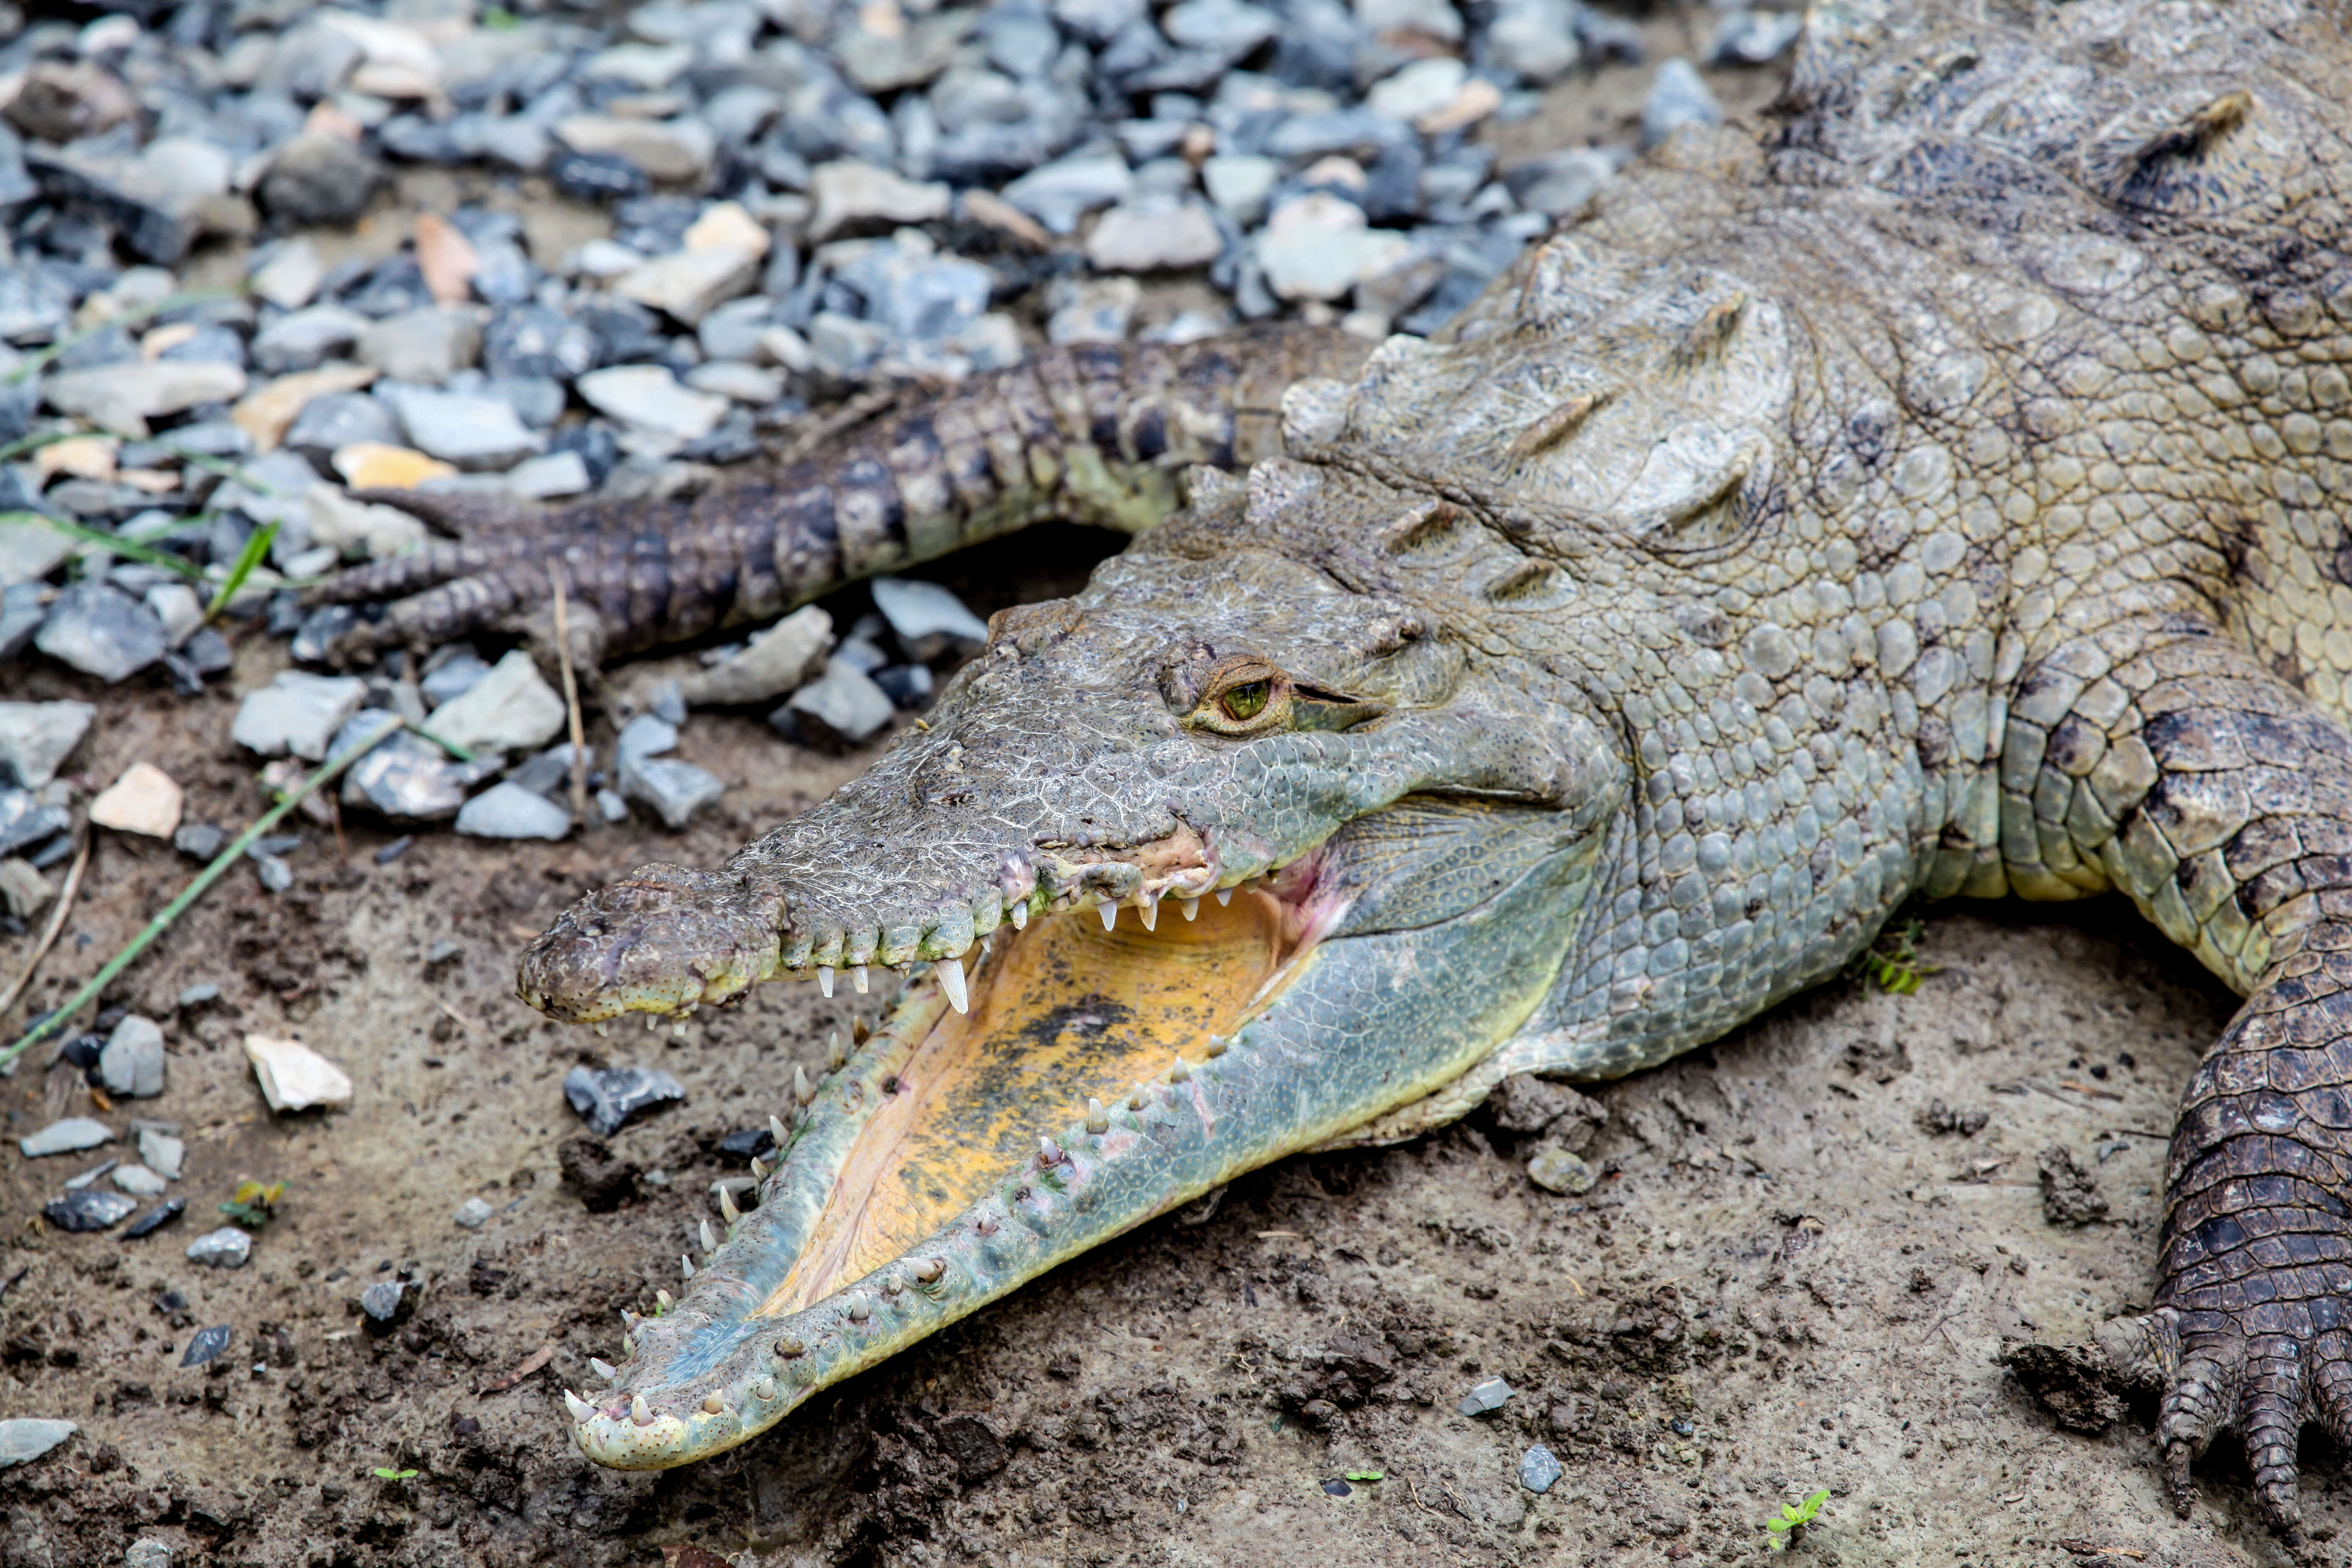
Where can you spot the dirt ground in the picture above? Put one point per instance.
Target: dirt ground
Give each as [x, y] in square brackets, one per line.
[1785, 1280]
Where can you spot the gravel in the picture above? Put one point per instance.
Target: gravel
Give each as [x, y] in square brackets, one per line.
[609, 1096]
[24, 1438]
[132, 1062]
[227, 1247]
[69, 1136]
[91, 1209]
[36, 738]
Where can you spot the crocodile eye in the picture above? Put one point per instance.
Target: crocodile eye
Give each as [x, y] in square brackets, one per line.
[1246, 702]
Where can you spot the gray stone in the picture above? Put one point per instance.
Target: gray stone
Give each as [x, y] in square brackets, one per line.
[1154, 235]
[407, 778]
[23, 607]
[1561, 184]
[131, 1063]
[1423, 87]
[37, 737]
[91, 1208]
[1536, 38]
[297, 712]
[227, 1247]
[140, 1182]
[564, 473]
[162, 1152]
[732, 330]
[69, 1136]
[648, 397]
[1228, 28]
[1437, 18]
[677, 151]
[1092, 310]
[175, 604]
[317, 178]
[301, 340]
[472, 431]
[103, 631]
[510, 811]
[926, 617]
[774, 661]
[328, 424]
[289, 274]
[735, 379]
[76, 1184]
[388, 1302]
[858, 196]
[845, 346]
[1558, 1170]
[25, 820]
[1538, 1470]
[674, 790]
[687, 285]
[474, 1213]
[1678, 97]
[538, 342]
[839, 709]
[124, 397]
[428, 346]
[453, 677]
[510, 709]
[24, 1438]
[148, 1554]
[549, 773]
[1060, 193]
[1486, 1394]
[1746, 38]
[918, 294]
[608, 1097]
[1240, 185]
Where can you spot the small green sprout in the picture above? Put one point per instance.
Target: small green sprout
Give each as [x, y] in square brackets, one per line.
[1364, 1475]
[1793, 1517]
[1892, 962]
[386, 1473]
[254, 1204]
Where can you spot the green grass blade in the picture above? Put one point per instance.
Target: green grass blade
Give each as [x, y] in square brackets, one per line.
[130, 548]
[247, 560]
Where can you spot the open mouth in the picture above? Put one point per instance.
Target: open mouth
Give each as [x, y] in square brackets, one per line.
[1073, 1075]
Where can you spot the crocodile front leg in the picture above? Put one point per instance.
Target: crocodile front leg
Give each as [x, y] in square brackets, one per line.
[1093, 433]
[2220, 799]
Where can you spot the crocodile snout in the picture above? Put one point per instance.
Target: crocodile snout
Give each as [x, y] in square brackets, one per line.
[666, 938]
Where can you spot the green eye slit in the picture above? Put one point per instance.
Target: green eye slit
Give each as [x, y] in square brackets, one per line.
[1245, 701]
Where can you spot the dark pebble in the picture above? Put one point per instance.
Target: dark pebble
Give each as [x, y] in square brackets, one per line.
[1682, 1427]
[466, 1426]
[155, 1219]
[905, 685]
[608, 1097]
[598, 177]
[92, 1208]
[599, 448]
[395, 849]
[745, 1144]
[200, 840]
[1337, 1487]
[206, 1345]
[82, 1049]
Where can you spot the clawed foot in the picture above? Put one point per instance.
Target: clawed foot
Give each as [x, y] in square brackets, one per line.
[2262, 1370]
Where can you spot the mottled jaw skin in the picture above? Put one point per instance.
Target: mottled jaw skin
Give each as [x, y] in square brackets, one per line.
[1379, 859]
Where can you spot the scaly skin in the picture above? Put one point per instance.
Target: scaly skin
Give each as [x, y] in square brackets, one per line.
[1935, 489]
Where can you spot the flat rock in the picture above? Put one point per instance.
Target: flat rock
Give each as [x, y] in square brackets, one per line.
[428, 346]
[36, 738]
[24, 1438]
[317, 178]
[737, 379]
[293, 1077]
[855, 195]
[774, 661]
[407, 778]
[148, 1554]
[1154, 236]
[1558, 1170]
[30, 552]
[473, 1214]
[155, 1219]
[1060, 193]
[227, 1247]
[143, 800]
[23, 820]
[131, 1063]
[328, 424]
[674, 152]
[162, 1152]
[608, 1097]
[380, 466]
[267, 412]
[124, 397]
[305, 339]
[471, 430]
[510, 709]
[297, 712]
[103, 631]
[511, 811]
[1538, 1470]
[138, 1181]
[841, 709]
[1487, 1394]
[648, 397]
[549, 475]
[925, 616]
[289, 274]
[91, 1209]
[687, 285]
[69, 1136]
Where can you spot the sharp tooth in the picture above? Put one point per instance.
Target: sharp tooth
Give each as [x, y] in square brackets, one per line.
[1215, 1047]
[803, 1090]
[759, 1170]
[686, 1265]
[727, 1209]
[835, 1053]
[1048, 1151]
[709, 1241]
[639, 1411]
[1147, 908]
[857, 978]
[1191, 907]
[604, 1031]
[776, 1130]
[1021, 917]
[927, 1272]
[858, 1311]
[630, 1320]
[662, 1300]
[628, 1346]
[1097, 1119]
[1109, 913]
[580, 1409]
[652, 1023]
[789, 1347]
[603, 1369]
[1135, 1101]
[1178, 1072]
[764, 1389]
[1225, 896]
[950, 973]
[713, 1406]
[825, 982]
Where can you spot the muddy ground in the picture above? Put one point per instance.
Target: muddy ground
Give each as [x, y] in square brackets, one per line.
[1784, 1282]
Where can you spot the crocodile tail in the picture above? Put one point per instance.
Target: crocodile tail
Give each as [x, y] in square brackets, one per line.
[1092, 433]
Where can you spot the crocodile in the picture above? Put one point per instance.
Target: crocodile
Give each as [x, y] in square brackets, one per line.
[1933, 488]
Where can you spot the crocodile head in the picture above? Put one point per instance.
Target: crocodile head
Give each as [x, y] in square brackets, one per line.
[1220, 860]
